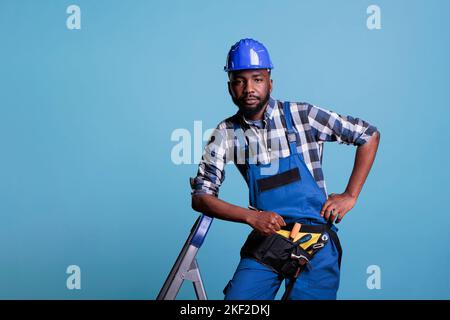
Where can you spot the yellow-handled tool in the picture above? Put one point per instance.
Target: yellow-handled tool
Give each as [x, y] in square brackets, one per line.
[295, 230]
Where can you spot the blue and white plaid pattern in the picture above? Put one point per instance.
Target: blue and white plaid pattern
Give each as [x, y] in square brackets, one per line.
[313, 125]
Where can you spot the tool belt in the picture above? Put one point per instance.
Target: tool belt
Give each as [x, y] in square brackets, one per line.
[285, 255]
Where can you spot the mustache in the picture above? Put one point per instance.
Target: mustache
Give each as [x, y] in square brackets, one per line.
[250, 96]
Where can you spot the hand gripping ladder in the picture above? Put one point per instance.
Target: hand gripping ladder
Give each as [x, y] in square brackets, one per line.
[186, 266]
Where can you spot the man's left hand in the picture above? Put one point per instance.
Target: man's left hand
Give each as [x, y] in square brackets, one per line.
[337, 205]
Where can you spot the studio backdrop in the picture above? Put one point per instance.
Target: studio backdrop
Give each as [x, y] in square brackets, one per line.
[105, 107]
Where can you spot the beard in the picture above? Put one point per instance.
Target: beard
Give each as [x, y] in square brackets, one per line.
[250, 111]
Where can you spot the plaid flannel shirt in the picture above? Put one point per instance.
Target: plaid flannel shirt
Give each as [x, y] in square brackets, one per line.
[313, 126]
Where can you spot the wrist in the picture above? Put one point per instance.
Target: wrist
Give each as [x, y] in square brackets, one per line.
[250, 217]
[353, 195]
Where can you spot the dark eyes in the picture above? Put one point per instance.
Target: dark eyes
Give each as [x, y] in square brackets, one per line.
[240, 82]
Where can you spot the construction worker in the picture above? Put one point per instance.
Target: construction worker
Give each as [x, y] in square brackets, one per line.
[277, 147]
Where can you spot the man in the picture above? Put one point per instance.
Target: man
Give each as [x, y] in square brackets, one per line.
[280, 158]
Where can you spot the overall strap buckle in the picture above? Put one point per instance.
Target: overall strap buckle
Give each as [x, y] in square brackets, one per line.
[291, 137]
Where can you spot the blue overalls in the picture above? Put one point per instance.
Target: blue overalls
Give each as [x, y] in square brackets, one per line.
[293, 193]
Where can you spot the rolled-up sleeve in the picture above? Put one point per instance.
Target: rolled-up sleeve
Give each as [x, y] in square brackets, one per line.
[329, 126]
[211, 169]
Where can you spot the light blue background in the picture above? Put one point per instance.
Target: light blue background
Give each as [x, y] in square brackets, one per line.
[86, 118]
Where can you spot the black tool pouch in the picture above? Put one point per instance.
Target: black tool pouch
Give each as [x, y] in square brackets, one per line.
[274, 251]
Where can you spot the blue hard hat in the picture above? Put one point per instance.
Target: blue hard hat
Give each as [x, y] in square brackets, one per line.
[248, 54]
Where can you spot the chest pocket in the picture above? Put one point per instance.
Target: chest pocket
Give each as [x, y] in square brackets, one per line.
[278, 180]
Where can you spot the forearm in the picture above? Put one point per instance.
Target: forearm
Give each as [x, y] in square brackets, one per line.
[214, 207]
[365, 155]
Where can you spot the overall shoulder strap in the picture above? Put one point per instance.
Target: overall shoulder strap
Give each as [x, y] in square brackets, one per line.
[291, 136]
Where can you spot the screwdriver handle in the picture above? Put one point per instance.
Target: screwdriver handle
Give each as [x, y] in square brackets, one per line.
[295, 230]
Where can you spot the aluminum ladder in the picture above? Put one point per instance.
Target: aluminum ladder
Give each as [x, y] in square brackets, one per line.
[186, 266]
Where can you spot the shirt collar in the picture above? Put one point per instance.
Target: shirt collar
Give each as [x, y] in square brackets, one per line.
[268, 114]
